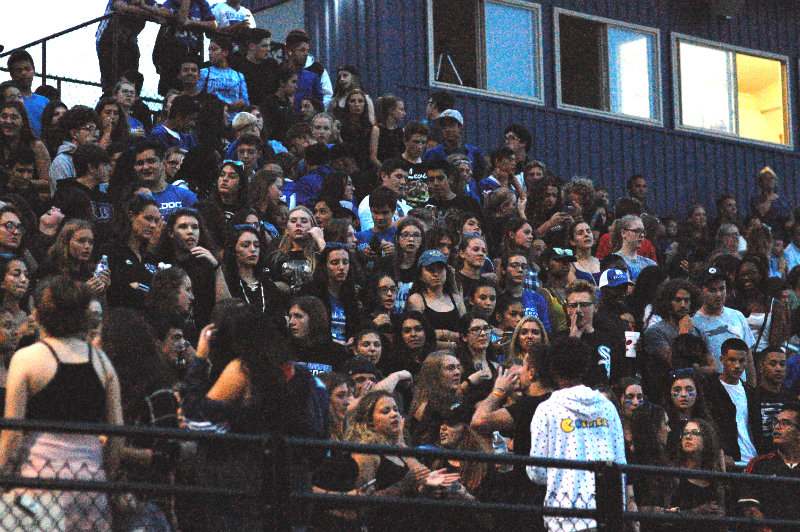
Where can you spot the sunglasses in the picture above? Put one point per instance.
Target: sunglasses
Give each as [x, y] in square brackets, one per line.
[681, 373]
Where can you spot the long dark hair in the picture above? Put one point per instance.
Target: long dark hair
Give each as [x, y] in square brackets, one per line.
[230, 267]
[130, 344]
[26, 134]
[248, 335]
[122, 223]
[121, 130]
[646, 421]
[166, 246]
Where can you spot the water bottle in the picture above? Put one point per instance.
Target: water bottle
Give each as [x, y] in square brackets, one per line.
[531, 280]
[102, 266]
[500, 447]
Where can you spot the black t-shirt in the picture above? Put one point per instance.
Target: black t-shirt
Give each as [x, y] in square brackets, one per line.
[780, 503]
[771, 404]
[608, 363]
[261, 78]
[457, 205]
[522, 413]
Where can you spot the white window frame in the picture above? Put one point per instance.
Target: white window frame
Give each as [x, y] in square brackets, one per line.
[657, 82]
[481, 38]
[676, 86]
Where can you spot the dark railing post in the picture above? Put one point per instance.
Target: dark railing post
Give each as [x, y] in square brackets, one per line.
[277, 485]
[44, 63]
[608, 496]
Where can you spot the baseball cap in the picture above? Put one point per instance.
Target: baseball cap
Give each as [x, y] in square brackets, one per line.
[431, 256]
[558, 254]
[452, 113]
[613, 277]
[711, 273]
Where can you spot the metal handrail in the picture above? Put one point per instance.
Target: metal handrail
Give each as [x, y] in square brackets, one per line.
[57, 34]
[282, 446]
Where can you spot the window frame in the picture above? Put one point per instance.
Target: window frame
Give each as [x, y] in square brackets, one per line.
[539, 99]
[657, 82]
[785, 60]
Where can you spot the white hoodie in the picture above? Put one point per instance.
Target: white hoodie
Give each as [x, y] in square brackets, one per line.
[576, 423]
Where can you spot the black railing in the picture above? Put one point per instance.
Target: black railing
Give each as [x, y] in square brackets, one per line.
[609, 512]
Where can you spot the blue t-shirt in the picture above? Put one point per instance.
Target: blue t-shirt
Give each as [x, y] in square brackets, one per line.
[364, 237]
[34, 106]
[534, 305]
[172, 198]
[134, 124]
[199, 10]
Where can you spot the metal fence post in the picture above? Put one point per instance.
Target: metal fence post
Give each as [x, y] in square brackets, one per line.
[608, 496]
[277, 482]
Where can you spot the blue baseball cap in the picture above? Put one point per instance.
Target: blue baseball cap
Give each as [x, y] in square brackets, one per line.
[614, 277]
[430, 257]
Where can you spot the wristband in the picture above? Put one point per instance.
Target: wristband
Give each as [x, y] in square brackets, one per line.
[500, 394]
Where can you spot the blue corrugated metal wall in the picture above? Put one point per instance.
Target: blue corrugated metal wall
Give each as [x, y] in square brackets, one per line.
[387, 41]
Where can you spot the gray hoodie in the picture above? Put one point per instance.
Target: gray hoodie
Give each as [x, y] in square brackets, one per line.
[62, 166]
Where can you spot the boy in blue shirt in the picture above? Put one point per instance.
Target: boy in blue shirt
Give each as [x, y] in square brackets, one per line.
[379, 241]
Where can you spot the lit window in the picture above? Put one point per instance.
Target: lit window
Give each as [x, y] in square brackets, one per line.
[608, 66]
[487, 45]
[731, 92]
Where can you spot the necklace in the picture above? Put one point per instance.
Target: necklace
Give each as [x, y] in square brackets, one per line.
[247, 287]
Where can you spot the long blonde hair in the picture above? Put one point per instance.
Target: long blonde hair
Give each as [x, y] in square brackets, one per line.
[515, 351]
[615, 238]
[309, 247]
[360, 429]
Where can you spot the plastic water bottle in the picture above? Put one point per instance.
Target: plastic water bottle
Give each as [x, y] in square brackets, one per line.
[500, 447]
[102, 266]
[531, 280]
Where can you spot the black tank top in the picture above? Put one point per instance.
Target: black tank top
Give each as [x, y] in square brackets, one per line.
[447, 320]
[75, 394]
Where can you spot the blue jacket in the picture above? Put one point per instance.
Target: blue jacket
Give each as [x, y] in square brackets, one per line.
[308, 187]
[473, 153]
[308, 86]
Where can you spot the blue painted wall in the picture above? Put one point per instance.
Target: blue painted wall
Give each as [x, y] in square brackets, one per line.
[387, 41]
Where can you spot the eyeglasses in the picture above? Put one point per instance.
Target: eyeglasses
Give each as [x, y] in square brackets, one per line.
[387, 289]
[11, 227]
[692, 433]
[511, 136]
[638, 232]
[681, 373]
[580, 304]
[482, 329]
[410, 235]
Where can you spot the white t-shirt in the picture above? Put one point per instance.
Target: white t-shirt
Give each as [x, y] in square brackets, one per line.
[739, 398]
[730, 324]
[365, 215]
[227, 16]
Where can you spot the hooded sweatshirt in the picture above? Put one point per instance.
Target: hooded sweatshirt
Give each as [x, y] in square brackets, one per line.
[576, 423]
[62, 166]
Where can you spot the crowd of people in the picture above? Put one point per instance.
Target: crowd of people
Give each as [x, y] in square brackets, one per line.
[274, 252]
